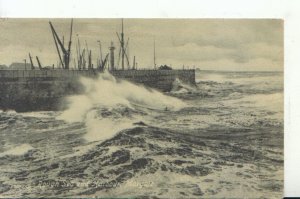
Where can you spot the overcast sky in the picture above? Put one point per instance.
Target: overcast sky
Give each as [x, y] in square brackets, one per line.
[213, 44]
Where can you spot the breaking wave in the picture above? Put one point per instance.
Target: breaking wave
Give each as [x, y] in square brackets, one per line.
[179, 87]
[105, 101]
[228, 138]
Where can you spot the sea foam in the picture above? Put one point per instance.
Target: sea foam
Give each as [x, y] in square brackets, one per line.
[107, 92]
[18, 150]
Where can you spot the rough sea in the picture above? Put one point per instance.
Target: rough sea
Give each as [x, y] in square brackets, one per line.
[222, 138]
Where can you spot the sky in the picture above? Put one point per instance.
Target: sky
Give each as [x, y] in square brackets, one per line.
[208, 44]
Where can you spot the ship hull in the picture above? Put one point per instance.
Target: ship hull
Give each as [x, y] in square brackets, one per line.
[33, 90]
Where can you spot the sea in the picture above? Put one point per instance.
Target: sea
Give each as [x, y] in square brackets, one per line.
[222, 138]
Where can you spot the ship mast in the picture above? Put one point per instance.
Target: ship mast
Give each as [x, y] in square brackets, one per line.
[122, 45]
[154, 56]
[79, 55]
[69, 47]
[25, 64]
[100, 48]
[123, 48]
[133, 66]
[112, 56]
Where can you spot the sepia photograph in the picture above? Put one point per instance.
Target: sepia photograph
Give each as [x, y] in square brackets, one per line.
[141, 108]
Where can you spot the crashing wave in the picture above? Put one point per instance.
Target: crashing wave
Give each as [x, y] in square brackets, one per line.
[179, 87]
[119, 98]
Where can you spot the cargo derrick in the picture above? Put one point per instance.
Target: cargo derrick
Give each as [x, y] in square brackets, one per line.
[104, 61]
[30, 58]
[79, 55]
[101, 62]
[89, 56]
[39, 63]
[65, 52]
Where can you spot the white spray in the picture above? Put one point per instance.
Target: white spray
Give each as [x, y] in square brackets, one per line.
[107, 92]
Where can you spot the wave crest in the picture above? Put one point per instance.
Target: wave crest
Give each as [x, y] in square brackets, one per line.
[106, 92]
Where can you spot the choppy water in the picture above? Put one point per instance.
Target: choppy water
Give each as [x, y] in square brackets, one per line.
[223, 138]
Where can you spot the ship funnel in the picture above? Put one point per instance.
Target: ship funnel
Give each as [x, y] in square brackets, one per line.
[112, 56]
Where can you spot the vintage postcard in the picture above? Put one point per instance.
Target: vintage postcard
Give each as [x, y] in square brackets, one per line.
[141, 108]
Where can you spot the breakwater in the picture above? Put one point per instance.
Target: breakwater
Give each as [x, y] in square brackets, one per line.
[28, 90]
[158, 79]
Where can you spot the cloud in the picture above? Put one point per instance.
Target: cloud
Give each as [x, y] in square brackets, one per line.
[219, 43]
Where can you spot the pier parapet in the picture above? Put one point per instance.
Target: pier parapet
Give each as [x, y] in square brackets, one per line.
[27, 90]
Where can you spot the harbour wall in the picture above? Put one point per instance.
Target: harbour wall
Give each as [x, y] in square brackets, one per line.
[158, 79]
[29, 90]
